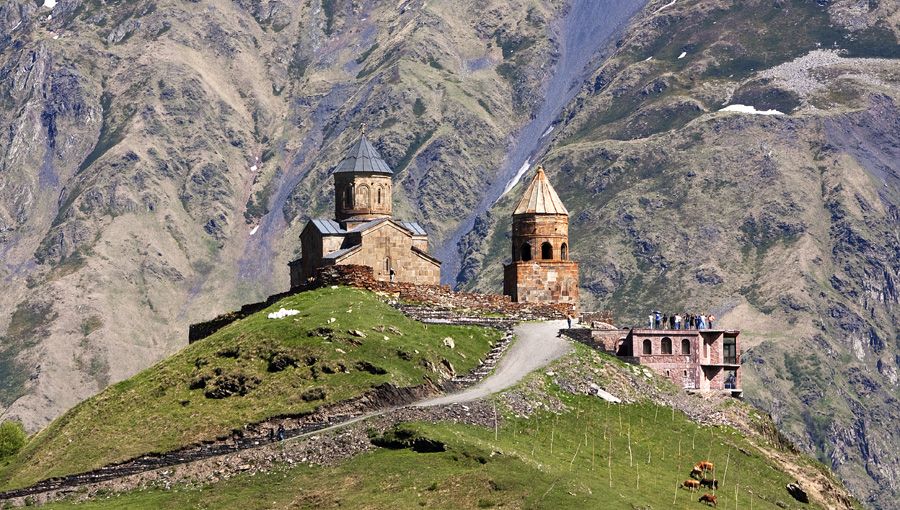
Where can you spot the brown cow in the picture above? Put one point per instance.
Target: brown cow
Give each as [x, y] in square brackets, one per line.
[705, 465]
[696, 473]
[710, 483]
[690, 484]
[709, 499]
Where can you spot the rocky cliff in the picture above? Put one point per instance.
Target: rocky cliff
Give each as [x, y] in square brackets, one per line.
[158, 158]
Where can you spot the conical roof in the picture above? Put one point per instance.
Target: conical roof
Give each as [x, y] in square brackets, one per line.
[540, 197]
[363, 158]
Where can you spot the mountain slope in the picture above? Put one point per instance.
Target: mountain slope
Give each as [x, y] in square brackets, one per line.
[784, 226]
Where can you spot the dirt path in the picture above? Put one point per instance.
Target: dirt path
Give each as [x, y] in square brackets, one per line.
[535, 347]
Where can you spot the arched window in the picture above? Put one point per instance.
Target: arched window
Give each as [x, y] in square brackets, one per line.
[546, 251]
[348, 196]
[379, 195]
[564, 251]
[648, 347]
[685, 346]
[526, 252]
[362, 196]
[667, 345]
[387, 264]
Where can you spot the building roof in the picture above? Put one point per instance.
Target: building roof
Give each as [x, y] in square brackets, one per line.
[413, 227]
[340, 253]
[540, 197]
[328, 227]
[363, 158]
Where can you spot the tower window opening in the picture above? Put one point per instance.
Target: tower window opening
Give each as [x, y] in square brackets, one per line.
[564, 252]
[526, 252]
[546, 251]
[348, 196]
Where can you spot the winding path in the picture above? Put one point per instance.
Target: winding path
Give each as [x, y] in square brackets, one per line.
[536, 346]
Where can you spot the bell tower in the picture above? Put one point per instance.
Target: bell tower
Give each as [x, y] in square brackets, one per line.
[362, 185]
[540, 270]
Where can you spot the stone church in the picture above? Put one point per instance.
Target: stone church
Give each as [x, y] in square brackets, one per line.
[540, 270]
[363, 231]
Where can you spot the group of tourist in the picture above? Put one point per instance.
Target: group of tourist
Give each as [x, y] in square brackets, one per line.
[680, 321]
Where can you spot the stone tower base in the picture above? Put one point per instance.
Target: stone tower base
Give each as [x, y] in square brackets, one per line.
[542, 281]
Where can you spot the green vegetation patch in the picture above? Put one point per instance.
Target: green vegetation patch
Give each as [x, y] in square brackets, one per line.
[591, 455]
[342, 343]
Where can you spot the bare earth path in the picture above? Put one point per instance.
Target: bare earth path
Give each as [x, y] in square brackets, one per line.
[536, 346]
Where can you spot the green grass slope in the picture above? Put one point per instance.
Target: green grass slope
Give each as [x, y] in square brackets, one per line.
[576, 451]
[273, 366]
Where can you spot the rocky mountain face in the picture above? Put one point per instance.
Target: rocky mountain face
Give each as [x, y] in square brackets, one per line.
[158, 159]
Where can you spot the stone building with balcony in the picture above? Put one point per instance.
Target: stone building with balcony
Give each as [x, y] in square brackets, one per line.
[540, 270]
[363, 231]
[704, 360]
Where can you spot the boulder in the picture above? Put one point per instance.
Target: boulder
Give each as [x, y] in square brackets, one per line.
[797, 492]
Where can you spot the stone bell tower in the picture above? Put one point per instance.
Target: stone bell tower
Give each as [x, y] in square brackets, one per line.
[540, 270]
[362, 186]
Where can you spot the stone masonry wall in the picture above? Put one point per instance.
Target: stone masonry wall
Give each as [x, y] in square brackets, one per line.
[548, 282]
[387, 246]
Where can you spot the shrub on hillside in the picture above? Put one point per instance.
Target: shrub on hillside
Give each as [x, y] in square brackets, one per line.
[12, 438]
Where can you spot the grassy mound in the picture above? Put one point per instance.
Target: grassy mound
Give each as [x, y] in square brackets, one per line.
[583, 454]
[341, 343]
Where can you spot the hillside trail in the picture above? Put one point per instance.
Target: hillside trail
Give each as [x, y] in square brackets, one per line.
[536, 345]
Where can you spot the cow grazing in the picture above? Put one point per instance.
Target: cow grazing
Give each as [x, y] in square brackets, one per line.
[690, 484]
[705, 465]
[696, 473]
[710, 483]
[709, 499]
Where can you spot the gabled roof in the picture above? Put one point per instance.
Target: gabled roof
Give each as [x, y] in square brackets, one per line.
[327, 227]
[335, 255]
[540, 197]
[414, 227]
[363, 158]
[410, 226]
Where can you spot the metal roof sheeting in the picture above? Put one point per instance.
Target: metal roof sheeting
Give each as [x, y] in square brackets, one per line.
[328, 227]
[414, 227]
[339, 253]
[363, 158]
[540, 197]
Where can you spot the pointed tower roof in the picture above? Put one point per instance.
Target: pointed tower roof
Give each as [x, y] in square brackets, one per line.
[363, 158]
[540, 197]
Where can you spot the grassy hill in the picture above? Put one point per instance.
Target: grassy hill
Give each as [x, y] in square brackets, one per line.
[341, 343]
[559, 449]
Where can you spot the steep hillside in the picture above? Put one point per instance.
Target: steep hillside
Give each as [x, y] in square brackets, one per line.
[783, 225]
[554, 445]
[339, 344]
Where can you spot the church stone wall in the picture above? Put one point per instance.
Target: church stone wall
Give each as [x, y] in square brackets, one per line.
[362, 196]
[388, 246]
[548, 282]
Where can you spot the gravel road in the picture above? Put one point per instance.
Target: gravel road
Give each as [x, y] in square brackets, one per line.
[536, 345]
